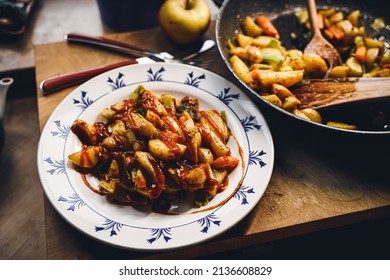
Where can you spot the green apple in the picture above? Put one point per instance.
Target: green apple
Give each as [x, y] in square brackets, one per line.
[184, 21]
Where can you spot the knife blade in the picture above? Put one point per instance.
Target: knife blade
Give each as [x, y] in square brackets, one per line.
[56, 83]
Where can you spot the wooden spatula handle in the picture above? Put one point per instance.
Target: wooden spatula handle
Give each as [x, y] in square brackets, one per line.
[325, 93]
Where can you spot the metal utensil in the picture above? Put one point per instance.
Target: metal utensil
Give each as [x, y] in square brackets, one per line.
[53, 84]
[133, 50]
[318, 44]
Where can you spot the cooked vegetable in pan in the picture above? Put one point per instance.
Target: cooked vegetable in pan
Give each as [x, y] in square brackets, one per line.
[259, 58]
[154, 149]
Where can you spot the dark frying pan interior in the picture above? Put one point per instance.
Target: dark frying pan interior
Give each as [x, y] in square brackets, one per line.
[282, 13]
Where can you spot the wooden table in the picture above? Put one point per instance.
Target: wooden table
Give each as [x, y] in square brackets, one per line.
[320, 180]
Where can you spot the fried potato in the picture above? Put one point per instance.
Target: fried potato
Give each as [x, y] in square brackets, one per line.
[159, 149]
[86, 158]
[268, 78]
[240, 68]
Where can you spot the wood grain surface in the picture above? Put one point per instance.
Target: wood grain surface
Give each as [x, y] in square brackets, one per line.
[319, 182]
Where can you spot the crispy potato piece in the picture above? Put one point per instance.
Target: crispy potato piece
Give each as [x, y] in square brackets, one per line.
[195, 176]
[143, 159]
[160, 150]
[244, 40]
[315, 65]
[193, 138]
[265, 41]
[268, 78]
[296, 60]
[312, 114]
[291, 103]
[151, 102]
[355, 68]
[118, 128]
[205, 155]
[116, 142]
[171, 124]
[274, 99]
[342, 125]
[86, 158]
[250, 27]
[255, 55]
[281, 91]
[240, 52]
[372, 54]
[144, 127]
[339, 71]
[240, 68]
[85, 132]
[154, 119]
[108, 186]
[213, 121]
[218, 147]
[300, 114]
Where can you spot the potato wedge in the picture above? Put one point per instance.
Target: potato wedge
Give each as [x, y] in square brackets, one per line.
[151, 102]
[214, 121]
[143, 159]
[281, 91]
[339, 72]
[240, 68]
[342, 125]
[160, 150]
[86, 158]
[268, 78]
[315, 65]
[193, 139]
[205, 155]
[195, 176]
[217, 146]
[312, 114]
[143, 126]
[274, 99]
[250, 27]
[291, 103]
[243, 40]
[85, 132]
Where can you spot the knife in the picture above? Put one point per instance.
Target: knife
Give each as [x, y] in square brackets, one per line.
[53, 84]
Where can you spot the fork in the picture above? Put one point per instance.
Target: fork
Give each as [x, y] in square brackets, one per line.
[133, 50]
[56, 83]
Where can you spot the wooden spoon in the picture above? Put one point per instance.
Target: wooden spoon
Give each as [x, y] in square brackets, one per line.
[318, 44]
[324, 93]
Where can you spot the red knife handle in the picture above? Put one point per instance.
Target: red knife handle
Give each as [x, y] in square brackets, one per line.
[53, 84]
[78, 37]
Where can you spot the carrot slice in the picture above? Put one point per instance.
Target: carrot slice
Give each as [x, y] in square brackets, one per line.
[337, 32]
[361, 54]
[267, 26]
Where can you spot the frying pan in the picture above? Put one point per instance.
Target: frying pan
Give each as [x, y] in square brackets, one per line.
[281, 12]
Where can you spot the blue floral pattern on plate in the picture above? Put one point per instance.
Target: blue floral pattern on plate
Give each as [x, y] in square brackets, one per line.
[129, 228]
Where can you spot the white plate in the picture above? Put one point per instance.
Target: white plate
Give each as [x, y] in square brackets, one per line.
[124, 226]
